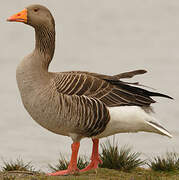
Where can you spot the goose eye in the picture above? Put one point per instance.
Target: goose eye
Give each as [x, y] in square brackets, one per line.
[36, 9]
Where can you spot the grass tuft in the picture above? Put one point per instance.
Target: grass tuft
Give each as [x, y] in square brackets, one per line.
[123, 159]
[169, 162]
[17, 165]
[63, 163]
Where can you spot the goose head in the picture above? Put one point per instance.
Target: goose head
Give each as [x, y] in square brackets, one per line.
[36, 16]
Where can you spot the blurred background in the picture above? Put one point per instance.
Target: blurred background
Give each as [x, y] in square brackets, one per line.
[98, 36]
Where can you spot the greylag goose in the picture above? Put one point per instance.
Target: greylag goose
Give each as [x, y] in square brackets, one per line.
[79, 104]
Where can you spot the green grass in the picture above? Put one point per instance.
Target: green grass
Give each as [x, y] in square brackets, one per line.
[113, 158]
[63, 163]
[118, 164]
[102, 174]
[168, 162]
[119, 159]
[17, 165]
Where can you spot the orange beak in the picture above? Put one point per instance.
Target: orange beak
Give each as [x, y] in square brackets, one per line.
[19, 17]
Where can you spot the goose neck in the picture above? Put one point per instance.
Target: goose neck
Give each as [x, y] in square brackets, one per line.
[45, 44]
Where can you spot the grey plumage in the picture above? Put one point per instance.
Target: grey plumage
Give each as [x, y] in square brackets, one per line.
[79, 104]
[71, 102]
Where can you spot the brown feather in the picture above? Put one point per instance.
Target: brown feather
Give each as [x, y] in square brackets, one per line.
[108, 89]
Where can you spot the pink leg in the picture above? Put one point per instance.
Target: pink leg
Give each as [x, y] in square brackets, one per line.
[95, 159]
[72, 167]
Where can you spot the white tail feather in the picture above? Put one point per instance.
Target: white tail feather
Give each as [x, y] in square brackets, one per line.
[159, 129]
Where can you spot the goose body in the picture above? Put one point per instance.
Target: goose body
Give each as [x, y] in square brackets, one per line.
[67, 103]
[79, 104]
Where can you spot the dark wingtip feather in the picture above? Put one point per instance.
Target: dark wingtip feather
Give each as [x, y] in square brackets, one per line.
[160, 95]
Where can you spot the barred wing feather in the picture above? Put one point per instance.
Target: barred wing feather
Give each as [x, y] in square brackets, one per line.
[108, 89]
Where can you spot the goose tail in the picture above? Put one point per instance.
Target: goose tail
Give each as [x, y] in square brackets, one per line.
[159, 129]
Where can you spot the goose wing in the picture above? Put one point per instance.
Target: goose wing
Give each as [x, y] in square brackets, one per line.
[108, 89]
